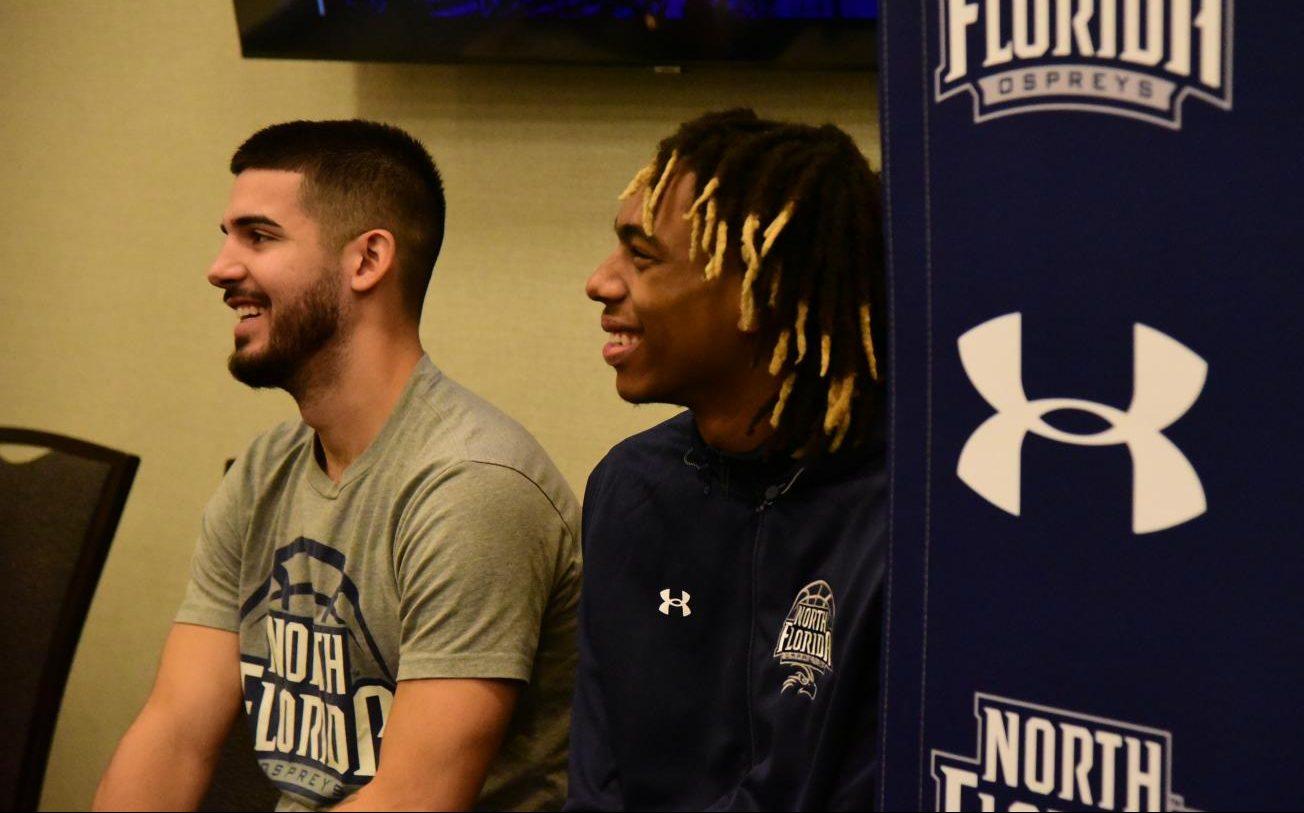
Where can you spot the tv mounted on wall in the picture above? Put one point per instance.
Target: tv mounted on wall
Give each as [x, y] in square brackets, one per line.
[827, 34]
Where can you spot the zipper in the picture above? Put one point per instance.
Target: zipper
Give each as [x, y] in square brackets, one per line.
[772, 493]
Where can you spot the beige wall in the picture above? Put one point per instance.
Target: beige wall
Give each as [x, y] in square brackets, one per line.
[116, 120]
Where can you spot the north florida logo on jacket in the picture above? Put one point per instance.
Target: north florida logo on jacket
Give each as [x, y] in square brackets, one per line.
[806, 638]
[316, 728]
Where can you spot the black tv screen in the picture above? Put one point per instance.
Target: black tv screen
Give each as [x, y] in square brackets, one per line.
[783, 33]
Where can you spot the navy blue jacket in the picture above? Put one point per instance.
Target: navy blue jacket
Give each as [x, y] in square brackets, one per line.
[729, 628]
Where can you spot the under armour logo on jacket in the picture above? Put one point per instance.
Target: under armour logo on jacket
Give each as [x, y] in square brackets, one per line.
[1167, 380]
[680, 603]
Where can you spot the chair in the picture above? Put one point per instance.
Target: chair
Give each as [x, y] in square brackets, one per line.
[58, 512]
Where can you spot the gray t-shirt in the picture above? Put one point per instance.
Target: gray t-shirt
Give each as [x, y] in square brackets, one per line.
[449, 549]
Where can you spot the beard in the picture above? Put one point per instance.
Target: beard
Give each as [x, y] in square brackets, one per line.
[297, 331]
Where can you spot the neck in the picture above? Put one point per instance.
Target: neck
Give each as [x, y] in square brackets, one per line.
[349, 398]
[725, 416]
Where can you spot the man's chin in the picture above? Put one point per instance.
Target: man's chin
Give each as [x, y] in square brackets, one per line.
[640, 392]
[258, 370]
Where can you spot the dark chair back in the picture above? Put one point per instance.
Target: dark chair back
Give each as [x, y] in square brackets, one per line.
[58, 513]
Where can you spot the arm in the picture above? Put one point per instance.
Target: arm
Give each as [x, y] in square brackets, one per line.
[440, 737]
[476, 561]
[166, 758]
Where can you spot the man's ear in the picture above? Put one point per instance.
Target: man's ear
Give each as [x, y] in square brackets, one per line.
[369, 258]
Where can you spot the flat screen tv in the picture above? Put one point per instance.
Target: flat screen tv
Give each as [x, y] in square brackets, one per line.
[821, 34]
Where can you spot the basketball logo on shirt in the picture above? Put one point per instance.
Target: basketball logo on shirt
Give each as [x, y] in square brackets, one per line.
[806, 638]
[317, 726]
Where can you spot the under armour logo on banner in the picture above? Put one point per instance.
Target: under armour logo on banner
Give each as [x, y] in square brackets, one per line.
[680, 603]
[1167, 380]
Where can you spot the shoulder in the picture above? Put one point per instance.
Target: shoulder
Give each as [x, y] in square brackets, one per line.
[279, 442]
[638, 474]
[860, 467]
[852, 485]
[485, 519]
[475, 491]
[268, 455]
[645, 455]
[472, 428]
[668, 440]
[460, 443]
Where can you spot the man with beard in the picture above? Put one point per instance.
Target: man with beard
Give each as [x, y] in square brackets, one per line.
[402, 565]
[734, 555]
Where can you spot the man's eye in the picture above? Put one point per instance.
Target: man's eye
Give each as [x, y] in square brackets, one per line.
[257, 237]
[639, 255]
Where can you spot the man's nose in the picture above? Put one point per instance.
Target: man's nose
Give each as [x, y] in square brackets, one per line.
[226, 270]
[605, 283]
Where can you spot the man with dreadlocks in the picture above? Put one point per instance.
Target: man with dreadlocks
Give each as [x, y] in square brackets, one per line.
[734, 555]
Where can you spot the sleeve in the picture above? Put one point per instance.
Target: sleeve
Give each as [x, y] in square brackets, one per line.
[213, 594]
[475, 559]
[594, 782]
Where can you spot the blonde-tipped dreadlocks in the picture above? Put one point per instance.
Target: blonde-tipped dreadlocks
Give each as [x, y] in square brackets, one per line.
[801, 205]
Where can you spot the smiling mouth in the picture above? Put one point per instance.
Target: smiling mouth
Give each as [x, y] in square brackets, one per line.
[245, 312]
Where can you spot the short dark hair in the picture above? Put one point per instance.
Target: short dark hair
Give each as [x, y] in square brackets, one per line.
[361, 175]
[798, 207]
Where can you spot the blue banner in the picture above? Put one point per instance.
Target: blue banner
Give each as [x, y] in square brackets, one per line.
[1094, 213]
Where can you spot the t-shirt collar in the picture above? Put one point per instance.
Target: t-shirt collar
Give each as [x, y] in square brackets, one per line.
[425, 372]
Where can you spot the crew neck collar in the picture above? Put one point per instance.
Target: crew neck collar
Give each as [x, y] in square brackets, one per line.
[322, 483]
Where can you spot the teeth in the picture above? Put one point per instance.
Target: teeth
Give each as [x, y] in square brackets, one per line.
[624, 339]
[248, 311]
